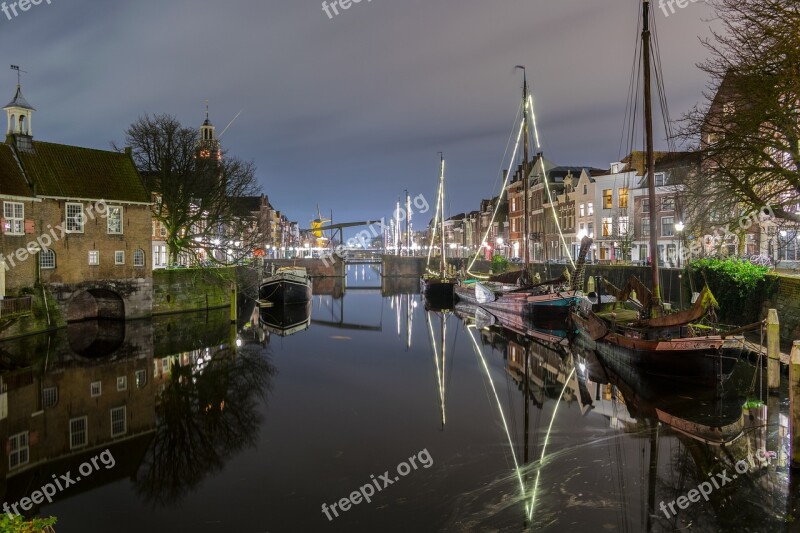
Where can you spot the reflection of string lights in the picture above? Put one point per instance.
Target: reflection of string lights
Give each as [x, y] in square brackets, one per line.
[479, 353]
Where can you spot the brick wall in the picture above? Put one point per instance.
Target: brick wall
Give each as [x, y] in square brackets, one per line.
[72, 250]
[787, 301]
[187, 289]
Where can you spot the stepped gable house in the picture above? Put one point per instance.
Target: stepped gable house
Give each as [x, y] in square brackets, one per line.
[77, 220]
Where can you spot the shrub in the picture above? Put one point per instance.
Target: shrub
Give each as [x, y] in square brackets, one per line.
[16, 524]
[499, 264]
[739, 286]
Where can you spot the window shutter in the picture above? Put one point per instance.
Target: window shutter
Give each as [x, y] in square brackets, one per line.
[3, 225]
[29, 226]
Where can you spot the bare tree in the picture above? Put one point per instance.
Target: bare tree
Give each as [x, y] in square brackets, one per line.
[748, 130]
[195, 190]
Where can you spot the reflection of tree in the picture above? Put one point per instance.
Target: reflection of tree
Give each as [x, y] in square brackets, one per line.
[204, 418]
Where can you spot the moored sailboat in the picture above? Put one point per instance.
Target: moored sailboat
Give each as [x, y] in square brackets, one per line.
[438, 286]
[641, 335]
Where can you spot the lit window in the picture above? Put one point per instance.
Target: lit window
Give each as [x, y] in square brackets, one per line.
[94, 257]
[590, 209]
[119, 423]
[49, 397]
[608, 199]
[608, 227]
[78, 433]
[138, 258]
[122, 383]
[623, 226]
[667, 224]
[18, 450]
[47, 259]
[582, 210]
[623, 198]
[141, 378]
[14, 215]
[96, 389]
[114, 219]
[75, 218]
[119, 257]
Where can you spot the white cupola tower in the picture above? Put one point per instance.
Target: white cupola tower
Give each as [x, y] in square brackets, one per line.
[209, 144]
[19, 113]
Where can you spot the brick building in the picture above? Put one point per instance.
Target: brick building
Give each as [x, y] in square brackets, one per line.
[77, 220]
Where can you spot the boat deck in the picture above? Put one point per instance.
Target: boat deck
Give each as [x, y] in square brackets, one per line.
[622, 315]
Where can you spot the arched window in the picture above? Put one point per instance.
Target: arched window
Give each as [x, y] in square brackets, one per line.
[47, 259]
[13, 123]
[138, 258]
[23, 125]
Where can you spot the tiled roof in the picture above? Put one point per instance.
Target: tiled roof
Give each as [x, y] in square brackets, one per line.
[12, 182]
[74, 172]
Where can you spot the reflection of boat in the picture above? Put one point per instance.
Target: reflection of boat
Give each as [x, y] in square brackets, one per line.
[287, 285]
[285, 320]
[437, 286]
[439, 362]
[698, 414]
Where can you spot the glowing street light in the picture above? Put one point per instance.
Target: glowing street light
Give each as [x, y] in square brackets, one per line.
[679, 228]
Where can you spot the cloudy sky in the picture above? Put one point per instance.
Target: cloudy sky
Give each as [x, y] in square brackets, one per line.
[347, 112]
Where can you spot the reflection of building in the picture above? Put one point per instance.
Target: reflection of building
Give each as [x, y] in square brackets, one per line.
[103, 388]
[77, 406]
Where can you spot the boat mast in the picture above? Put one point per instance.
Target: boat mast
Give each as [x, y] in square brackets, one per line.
[651, 184]
[443, 266]
[525, 164]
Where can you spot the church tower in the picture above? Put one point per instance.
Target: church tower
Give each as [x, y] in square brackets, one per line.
[19, 113]
[209, 147]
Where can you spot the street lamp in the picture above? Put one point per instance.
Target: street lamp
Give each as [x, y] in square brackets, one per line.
[679, 229]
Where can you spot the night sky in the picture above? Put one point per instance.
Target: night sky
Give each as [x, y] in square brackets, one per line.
[349, 111]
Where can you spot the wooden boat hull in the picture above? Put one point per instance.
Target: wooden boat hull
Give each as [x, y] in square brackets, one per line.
[285, 288]
[552, 306]
[697, 359]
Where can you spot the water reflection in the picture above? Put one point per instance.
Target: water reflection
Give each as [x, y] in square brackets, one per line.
[206, 413]
[172, 399]
[661, 441]
[527, 431]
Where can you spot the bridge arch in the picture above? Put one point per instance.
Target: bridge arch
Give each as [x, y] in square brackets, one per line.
[95, 303]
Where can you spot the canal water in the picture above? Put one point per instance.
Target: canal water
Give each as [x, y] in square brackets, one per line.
[443, 422]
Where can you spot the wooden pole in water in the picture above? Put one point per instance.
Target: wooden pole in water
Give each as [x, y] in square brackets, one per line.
[794, 405]
[773, 351]
[233, 302]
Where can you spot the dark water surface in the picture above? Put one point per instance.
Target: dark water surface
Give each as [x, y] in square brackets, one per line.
[237, 428]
